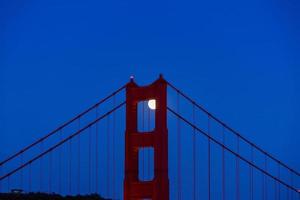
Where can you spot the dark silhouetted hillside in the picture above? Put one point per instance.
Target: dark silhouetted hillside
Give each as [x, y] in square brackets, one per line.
[43, 196]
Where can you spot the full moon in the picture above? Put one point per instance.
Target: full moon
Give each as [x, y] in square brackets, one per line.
[152, 104]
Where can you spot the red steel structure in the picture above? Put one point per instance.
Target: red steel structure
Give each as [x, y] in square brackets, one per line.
[61, 162]
[158, 187]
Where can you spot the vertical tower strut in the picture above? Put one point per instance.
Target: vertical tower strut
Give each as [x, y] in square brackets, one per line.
[158, 187]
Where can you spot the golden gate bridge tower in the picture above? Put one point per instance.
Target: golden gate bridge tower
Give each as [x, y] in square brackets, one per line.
[158, 187]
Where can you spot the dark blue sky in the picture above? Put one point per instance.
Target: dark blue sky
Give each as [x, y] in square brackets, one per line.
[240, 59]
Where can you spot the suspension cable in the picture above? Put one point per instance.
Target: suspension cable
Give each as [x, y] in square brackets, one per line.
[237, 171]
[209, 161]
[251, 174]
[263, 197]
[194, 155]
[107, 159]
[292, 184]
[61, 127]
[223, 166]
[29, 177]
[231, 129]
[70, 166]
[96, 154]
[60, 165]
[78, 158]
[90, 158]
[41, 166]
[276, 185]
[113, 150]
[50, 172]
[233, 152]
[265, 180]
[61, 142]
[21, 172]
[178, 153]
[8, 183]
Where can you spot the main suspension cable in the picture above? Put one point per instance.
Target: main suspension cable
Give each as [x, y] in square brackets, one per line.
[233, 152]
[61, 127]
[61, 142]
[232, 130]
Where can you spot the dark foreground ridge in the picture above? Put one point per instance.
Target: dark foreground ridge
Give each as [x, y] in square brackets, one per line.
[43, 196]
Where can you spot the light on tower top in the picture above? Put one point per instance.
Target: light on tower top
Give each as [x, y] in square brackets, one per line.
[131, 78]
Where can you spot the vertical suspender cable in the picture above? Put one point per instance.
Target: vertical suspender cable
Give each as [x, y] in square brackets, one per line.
[70, 166]
[287, 193]
[209, 164]
[50, 171]
[90, 157]
[60, 164]
[21, 172]
[265, 180]
[78, 159]
[41, 166]
[263, 187]
[194, 155]
[107, 159]
[29, 178]
[292, 184]
[96, 154]
[277, 184]
[2, 186]
[237, 170]
[275, 190]
[113, 150]
[8, 183]
[178, 153]
[223, 165]
[251, 173]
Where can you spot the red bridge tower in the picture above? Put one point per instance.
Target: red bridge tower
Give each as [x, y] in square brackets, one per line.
[158, 187]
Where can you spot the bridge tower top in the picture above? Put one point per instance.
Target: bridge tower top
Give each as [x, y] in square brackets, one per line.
[158, 187]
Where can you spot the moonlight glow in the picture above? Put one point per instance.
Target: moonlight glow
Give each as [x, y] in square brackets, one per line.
[152, 104]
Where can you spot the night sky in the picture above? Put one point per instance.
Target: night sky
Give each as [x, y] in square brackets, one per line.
[239, 59]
